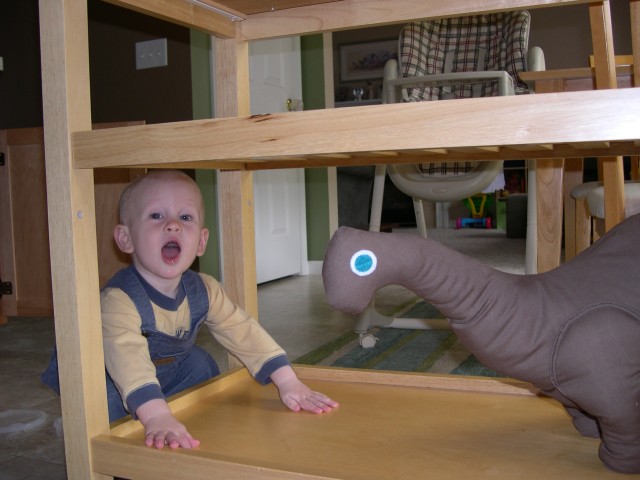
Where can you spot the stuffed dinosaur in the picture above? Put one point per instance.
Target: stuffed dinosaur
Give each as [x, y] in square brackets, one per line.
[573, 332]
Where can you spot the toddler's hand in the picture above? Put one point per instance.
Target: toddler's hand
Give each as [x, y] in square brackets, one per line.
[162, 428]
[297, 396]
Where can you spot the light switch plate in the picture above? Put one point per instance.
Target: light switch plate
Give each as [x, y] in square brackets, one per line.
[151, 54]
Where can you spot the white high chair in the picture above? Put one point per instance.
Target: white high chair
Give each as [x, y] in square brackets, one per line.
[444, 59]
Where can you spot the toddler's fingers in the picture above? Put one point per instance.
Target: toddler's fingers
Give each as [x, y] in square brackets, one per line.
[155, 439]
[323, 401]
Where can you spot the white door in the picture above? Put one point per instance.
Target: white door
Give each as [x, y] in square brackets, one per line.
[274, 72]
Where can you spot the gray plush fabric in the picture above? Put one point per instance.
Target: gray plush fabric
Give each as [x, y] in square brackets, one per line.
[574, 332]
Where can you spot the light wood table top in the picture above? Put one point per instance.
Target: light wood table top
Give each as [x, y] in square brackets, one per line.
[388, 426]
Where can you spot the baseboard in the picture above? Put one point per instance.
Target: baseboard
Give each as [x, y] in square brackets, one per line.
[315, 267]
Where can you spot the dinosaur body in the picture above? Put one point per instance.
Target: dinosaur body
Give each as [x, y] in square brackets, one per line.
[574, 332]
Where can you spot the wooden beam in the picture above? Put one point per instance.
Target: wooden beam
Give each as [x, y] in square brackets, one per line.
[190, 14]
[605, 73]
[236, 188]
[350, 14]
[635, 40]
[552, 118]
[573, 222]
[72, 231]
[635, 48]
[238, 238]
[602, 43]
[549, 179]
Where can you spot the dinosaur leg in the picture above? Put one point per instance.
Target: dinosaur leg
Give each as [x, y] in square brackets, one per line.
[584, 423]
[597, 366]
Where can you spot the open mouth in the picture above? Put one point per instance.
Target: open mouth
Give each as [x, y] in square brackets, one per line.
[170, 252]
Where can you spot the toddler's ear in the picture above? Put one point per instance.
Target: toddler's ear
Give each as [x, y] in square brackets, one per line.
[204, 237]
[123, 239]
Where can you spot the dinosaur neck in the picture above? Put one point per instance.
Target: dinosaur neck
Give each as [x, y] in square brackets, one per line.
[454, 283]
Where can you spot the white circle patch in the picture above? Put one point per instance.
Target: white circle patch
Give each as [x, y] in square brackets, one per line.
[363, 262]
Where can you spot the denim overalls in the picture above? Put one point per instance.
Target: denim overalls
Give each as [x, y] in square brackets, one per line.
[180, 364]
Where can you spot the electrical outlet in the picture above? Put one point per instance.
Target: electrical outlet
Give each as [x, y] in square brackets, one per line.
[151, 54]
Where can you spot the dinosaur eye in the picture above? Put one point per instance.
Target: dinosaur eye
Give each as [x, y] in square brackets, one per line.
[363, 262]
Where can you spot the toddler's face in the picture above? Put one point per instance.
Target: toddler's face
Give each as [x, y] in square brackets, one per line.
[165, 224]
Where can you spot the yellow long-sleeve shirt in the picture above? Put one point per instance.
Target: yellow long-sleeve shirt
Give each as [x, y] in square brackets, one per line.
[126, 350]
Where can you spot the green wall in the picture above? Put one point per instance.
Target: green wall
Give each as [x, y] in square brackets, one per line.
[316, 192]
[202, 108]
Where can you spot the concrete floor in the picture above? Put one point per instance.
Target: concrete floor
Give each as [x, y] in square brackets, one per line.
[293, 310]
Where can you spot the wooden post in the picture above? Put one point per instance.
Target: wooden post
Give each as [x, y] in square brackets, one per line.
[235, 188]
[635, 40]
[72, 231]
[573, 173]
[605, 71]
[635, 47]
[549, 178]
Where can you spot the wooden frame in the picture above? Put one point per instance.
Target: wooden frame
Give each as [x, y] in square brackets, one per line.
[444, 424]
[67, 127]
[399, 133]
[577, 229]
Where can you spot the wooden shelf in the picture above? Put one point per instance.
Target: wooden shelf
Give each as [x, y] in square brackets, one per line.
[521, 127]
[449, 426]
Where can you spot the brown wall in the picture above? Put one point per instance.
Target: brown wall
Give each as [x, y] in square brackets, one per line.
[119, 92]
[564, 33]
[20, 87]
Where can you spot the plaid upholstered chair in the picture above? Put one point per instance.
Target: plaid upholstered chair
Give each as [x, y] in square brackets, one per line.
[443, 59]
[491, 43]
[473, 56]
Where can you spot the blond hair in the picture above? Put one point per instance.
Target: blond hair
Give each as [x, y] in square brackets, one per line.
[129, 192]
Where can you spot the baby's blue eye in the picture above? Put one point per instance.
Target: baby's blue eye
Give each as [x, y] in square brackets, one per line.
[155, 216]
[186, 217]
[363, 262]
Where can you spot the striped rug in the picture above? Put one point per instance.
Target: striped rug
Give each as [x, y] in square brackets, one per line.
[434, 351]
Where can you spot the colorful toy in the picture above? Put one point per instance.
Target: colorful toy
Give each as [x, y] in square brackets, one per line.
[477, 204]
[573, 332]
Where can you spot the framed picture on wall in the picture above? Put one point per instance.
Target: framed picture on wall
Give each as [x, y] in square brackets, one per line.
[362, 61]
